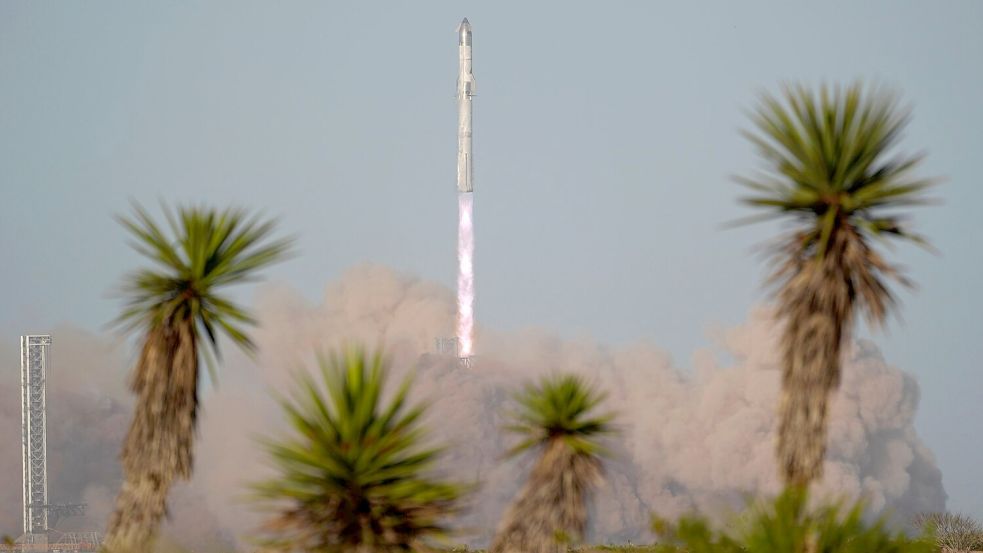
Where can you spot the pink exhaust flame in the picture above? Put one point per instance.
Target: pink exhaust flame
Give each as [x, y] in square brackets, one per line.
[465, 277]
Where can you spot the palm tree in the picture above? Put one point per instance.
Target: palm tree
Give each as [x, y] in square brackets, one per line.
[177, 308]
[831, 169]
[555, 418]
[355, 474]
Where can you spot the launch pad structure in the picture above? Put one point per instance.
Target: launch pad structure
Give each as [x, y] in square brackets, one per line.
[39, 515]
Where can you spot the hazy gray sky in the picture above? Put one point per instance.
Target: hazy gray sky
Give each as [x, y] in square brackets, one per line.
[604, 137]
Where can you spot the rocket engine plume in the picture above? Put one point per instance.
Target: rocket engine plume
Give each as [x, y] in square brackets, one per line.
[465, 276]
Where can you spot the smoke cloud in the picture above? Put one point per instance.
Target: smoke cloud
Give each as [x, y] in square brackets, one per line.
[700, 440]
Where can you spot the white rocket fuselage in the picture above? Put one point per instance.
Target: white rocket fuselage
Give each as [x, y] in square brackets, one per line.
[465, 90]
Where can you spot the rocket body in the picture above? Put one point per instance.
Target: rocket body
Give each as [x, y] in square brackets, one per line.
[465, 91]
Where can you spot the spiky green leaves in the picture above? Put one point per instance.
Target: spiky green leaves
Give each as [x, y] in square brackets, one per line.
[560, 407]
[172, 304]
[557, 417]
[830, 166]
[829, 160]
[204, 251]
[355, 473]
[789, 524]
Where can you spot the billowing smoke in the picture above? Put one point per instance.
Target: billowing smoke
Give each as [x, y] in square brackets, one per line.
[700, 440]
[687, 441]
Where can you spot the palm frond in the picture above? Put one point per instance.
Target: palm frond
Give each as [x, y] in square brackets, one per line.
[206, 250]
[177, 306]
[830, 167]
[832, 151]
[560, 407]
[355, 472]
[555, 416]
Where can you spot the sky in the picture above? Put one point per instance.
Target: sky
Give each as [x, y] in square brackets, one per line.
[604, 137]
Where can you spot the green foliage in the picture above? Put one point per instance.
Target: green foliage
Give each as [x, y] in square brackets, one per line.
[788, 525]
[829, 166]
[827, 159]
[173, 304]
[628, 548]
[355, 471]
[205, 251]
[560, 407]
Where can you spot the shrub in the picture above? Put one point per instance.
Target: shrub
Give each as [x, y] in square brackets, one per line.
[788, 525]
[953, 531]
[356, 472]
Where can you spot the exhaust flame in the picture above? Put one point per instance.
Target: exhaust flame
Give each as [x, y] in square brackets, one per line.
[465, 276]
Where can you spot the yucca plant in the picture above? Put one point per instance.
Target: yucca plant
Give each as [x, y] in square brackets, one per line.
[831, 169]
[556, 418]
[178, 309]
[356, 475]
[788, 525]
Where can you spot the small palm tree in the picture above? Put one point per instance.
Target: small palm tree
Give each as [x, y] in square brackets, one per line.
[832, 171]
[178, 310]
[555, 418]
[354, 475]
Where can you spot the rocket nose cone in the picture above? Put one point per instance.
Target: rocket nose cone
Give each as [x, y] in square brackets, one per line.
[464, 32]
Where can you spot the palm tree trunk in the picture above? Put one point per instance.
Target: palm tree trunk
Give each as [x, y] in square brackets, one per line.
[551, 509]
[158, 446]
[140, 507]
[817, 305]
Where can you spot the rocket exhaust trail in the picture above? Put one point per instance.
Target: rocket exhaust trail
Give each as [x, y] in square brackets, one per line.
[465, 276]
[465, 175]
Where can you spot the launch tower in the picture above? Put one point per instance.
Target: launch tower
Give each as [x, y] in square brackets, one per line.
[40, 516]
[34, 442]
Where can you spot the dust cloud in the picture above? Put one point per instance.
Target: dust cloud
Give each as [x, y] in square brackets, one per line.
[687, 440]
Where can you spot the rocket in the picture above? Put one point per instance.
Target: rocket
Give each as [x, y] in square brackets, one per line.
[465, 188]
[465, 91]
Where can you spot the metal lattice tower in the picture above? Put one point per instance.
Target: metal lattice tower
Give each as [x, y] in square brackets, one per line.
[33, 364]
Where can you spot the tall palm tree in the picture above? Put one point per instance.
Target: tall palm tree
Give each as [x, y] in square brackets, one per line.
[833, 171]
[177, 308]
[354, 476]
[555, 417]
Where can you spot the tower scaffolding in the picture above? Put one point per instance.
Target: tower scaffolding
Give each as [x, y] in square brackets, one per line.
[34, 442]
[40, 516]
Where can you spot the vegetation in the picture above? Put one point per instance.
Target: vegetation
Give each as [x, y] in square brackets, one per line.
[628, 548]
[830, 169]
[952, 531]
[173, 305]
[555, 418]
[354, 475]
[171, 548]
[788, 525]
[356, 471]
